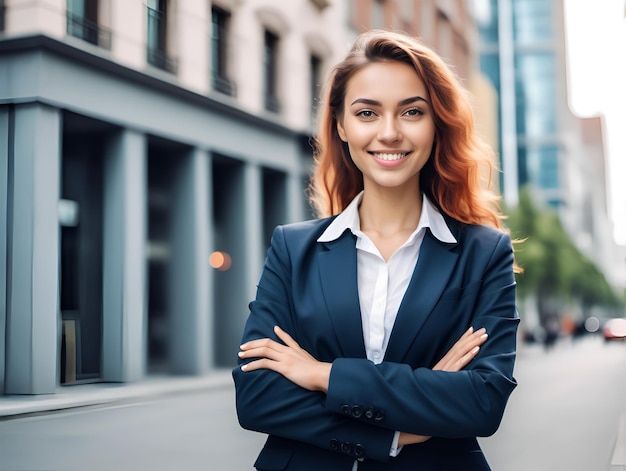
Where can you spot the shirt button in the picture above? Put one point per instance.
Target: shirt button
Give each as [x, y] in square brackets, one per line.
[376, 355]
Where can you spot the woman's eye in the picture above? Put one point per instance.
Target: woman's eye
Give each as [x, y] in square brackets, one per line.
[366, 114]
[414, 112]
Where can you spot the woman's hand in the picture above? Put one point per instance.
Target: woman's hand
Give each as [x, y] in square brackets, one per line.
[461, 353]
[290, 360]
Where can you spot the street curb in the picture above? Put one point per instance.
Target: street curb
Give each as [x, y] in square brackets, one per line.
[68, 397]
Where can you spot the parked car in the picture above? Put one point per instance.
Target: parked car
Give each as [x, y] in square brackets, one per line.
[614, 329]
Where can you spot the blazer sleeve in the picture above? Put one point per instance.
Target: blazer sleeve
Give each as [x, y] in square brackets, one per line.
[269, 403]
[467, 403]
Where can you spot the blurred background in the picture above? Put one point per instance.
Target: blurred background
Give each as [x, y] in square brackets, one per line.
[149, 147]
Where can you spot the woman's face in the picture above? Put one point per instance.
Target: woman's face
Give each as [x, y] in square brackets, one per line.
[388, 124]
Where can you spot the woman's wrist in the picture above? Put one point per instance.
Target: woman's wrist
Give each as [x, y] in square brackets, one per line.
[322, 378]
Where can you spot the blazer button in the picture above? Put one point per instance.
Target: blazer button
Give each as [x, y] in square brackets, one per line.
[345, 410]
[334, 444]
[346, 447]
[369, 413]
[357, 412]
[359, 450]
[380, 415]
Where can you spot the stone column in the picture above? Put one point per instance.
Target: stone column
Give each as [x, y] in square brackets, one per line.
[190, 328]
[33, 250]
[124, 262]
[4, 170]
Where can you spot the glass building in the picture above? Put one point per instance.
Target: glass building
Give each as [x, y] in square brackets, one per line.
[521, 52]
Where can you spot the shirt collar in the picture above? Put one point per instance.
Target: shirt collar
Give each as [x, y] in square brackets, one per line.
[348, 219]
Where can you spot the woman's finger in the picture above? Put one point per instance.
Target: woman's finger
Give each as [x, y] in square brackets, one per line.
[285, 337]
[260, 343]
[463, 351]
[261, 364]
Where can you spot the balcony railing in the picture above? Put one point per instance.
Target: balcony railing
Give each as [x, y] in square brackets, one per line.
[161, 60]
[272, 104]
[224, 85]
[89, 31]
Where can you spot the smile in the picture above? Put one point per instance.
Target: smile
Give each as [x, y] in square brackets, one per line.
[390, 157]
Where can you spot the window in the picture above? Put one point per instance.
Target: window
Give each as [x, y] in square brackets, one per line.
[315, 87]
[82, 22]
[2, 10]
[157, 36]
[270, 72]
[532, 21]
[219, 51]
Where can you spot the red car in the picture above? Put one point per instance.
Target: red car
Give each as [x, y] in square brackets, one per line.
[614, 329]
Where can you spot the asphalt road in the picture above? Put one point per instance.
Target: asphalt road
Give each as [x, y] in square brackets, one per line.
[562, 417]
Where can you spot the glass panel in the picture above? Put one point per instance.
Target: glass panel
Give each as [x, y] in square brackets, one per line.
[532, 20]
[535, 94]
[81, 263]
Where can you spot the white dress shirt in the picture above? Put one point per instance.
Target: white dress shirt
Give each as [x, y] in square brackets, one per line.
[381, 283]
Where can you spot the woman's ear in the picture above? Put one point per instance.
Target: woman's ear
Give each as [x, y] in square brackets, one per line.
[341, 131]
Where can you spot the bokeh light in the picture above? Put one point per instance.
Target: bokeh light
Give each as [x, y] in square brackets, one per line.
[220, 260]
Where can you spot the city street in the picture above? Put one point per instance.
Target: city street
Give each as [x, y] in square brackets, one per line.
[562, 417]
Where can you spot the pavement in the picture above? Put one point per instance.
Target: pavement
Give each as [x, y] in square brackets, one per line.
[83, 395]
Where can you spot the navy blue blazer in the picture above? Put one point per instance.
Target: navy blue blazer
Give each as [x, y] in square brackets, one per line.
[310, 290]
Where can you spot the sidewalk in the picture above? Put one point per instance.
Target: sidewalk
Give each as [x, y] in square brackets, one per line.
[67, 397]
[618, 461]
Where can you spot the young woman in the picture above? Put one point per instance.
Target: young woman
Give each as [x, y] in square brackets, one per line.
[366, 346]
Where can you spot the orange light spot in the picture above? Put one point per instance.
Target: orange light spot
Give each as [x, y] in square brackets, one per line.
[220, 260]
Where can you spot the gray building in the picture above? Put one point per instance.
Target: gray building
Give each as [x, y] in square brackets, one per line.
[147, 151]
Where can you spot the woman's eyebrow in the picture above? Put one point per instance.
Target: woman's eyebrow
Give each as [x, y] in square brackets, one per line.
[406, 101]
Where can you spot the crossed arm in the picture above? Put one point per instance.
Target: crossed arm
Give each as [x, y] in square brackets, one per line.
[301, 368]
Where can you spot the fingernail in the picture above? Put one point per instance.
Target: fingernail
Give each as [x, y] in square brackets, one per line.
[240, 354]
[244, 367]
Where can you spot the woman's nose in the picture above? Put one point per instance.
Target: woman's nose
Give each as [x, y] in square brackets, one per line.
[389, 131]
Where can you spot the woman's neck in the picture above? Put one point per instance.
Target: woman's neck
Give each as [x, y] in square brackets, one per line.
[390, 211]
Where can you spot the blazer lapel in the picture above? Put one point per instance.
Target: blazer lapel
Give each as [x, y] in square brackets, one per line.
[338, 273]
[432, 272]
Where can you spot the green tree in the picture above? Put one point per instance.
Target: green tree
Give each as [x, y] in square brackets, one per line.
[554, 269]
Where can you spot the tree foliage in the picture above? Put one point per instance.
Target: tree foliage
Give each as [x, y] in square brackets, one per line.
[553, 266]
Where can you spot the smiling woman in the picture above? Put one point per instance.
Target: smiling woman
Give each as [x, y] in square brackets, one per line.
[367, 344]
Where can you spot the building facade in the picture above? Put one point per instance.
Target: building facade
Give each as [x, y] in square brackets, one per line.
[147, 151]
[138, 140]
[543, 145]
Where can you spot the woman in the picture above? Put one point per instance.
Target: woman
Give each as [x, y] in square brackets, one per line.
[366, 346]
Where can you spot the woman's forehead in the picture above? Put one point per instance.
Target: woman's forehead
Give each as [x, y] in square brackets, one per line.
[388, 80]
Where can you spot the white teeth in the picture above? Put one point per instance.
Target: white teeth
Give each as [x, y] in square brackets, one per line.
[389, 156]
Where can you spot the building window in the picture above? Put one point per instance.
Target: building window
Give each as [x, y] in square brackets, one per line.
[270, 72]
[219, 51]
[157, 36]
[2, 11]
[315, 87]
[82, 22]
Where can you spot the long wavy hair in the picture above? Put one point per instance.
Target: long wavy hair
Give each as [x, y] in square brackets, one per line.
[451, 179]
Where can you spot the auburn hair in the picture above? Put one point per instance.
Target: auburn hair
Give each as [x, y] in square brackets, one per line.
[451, 179]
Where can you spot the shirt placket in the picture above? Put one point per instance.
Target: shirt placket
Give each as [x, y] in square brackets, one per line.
[377, 317]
